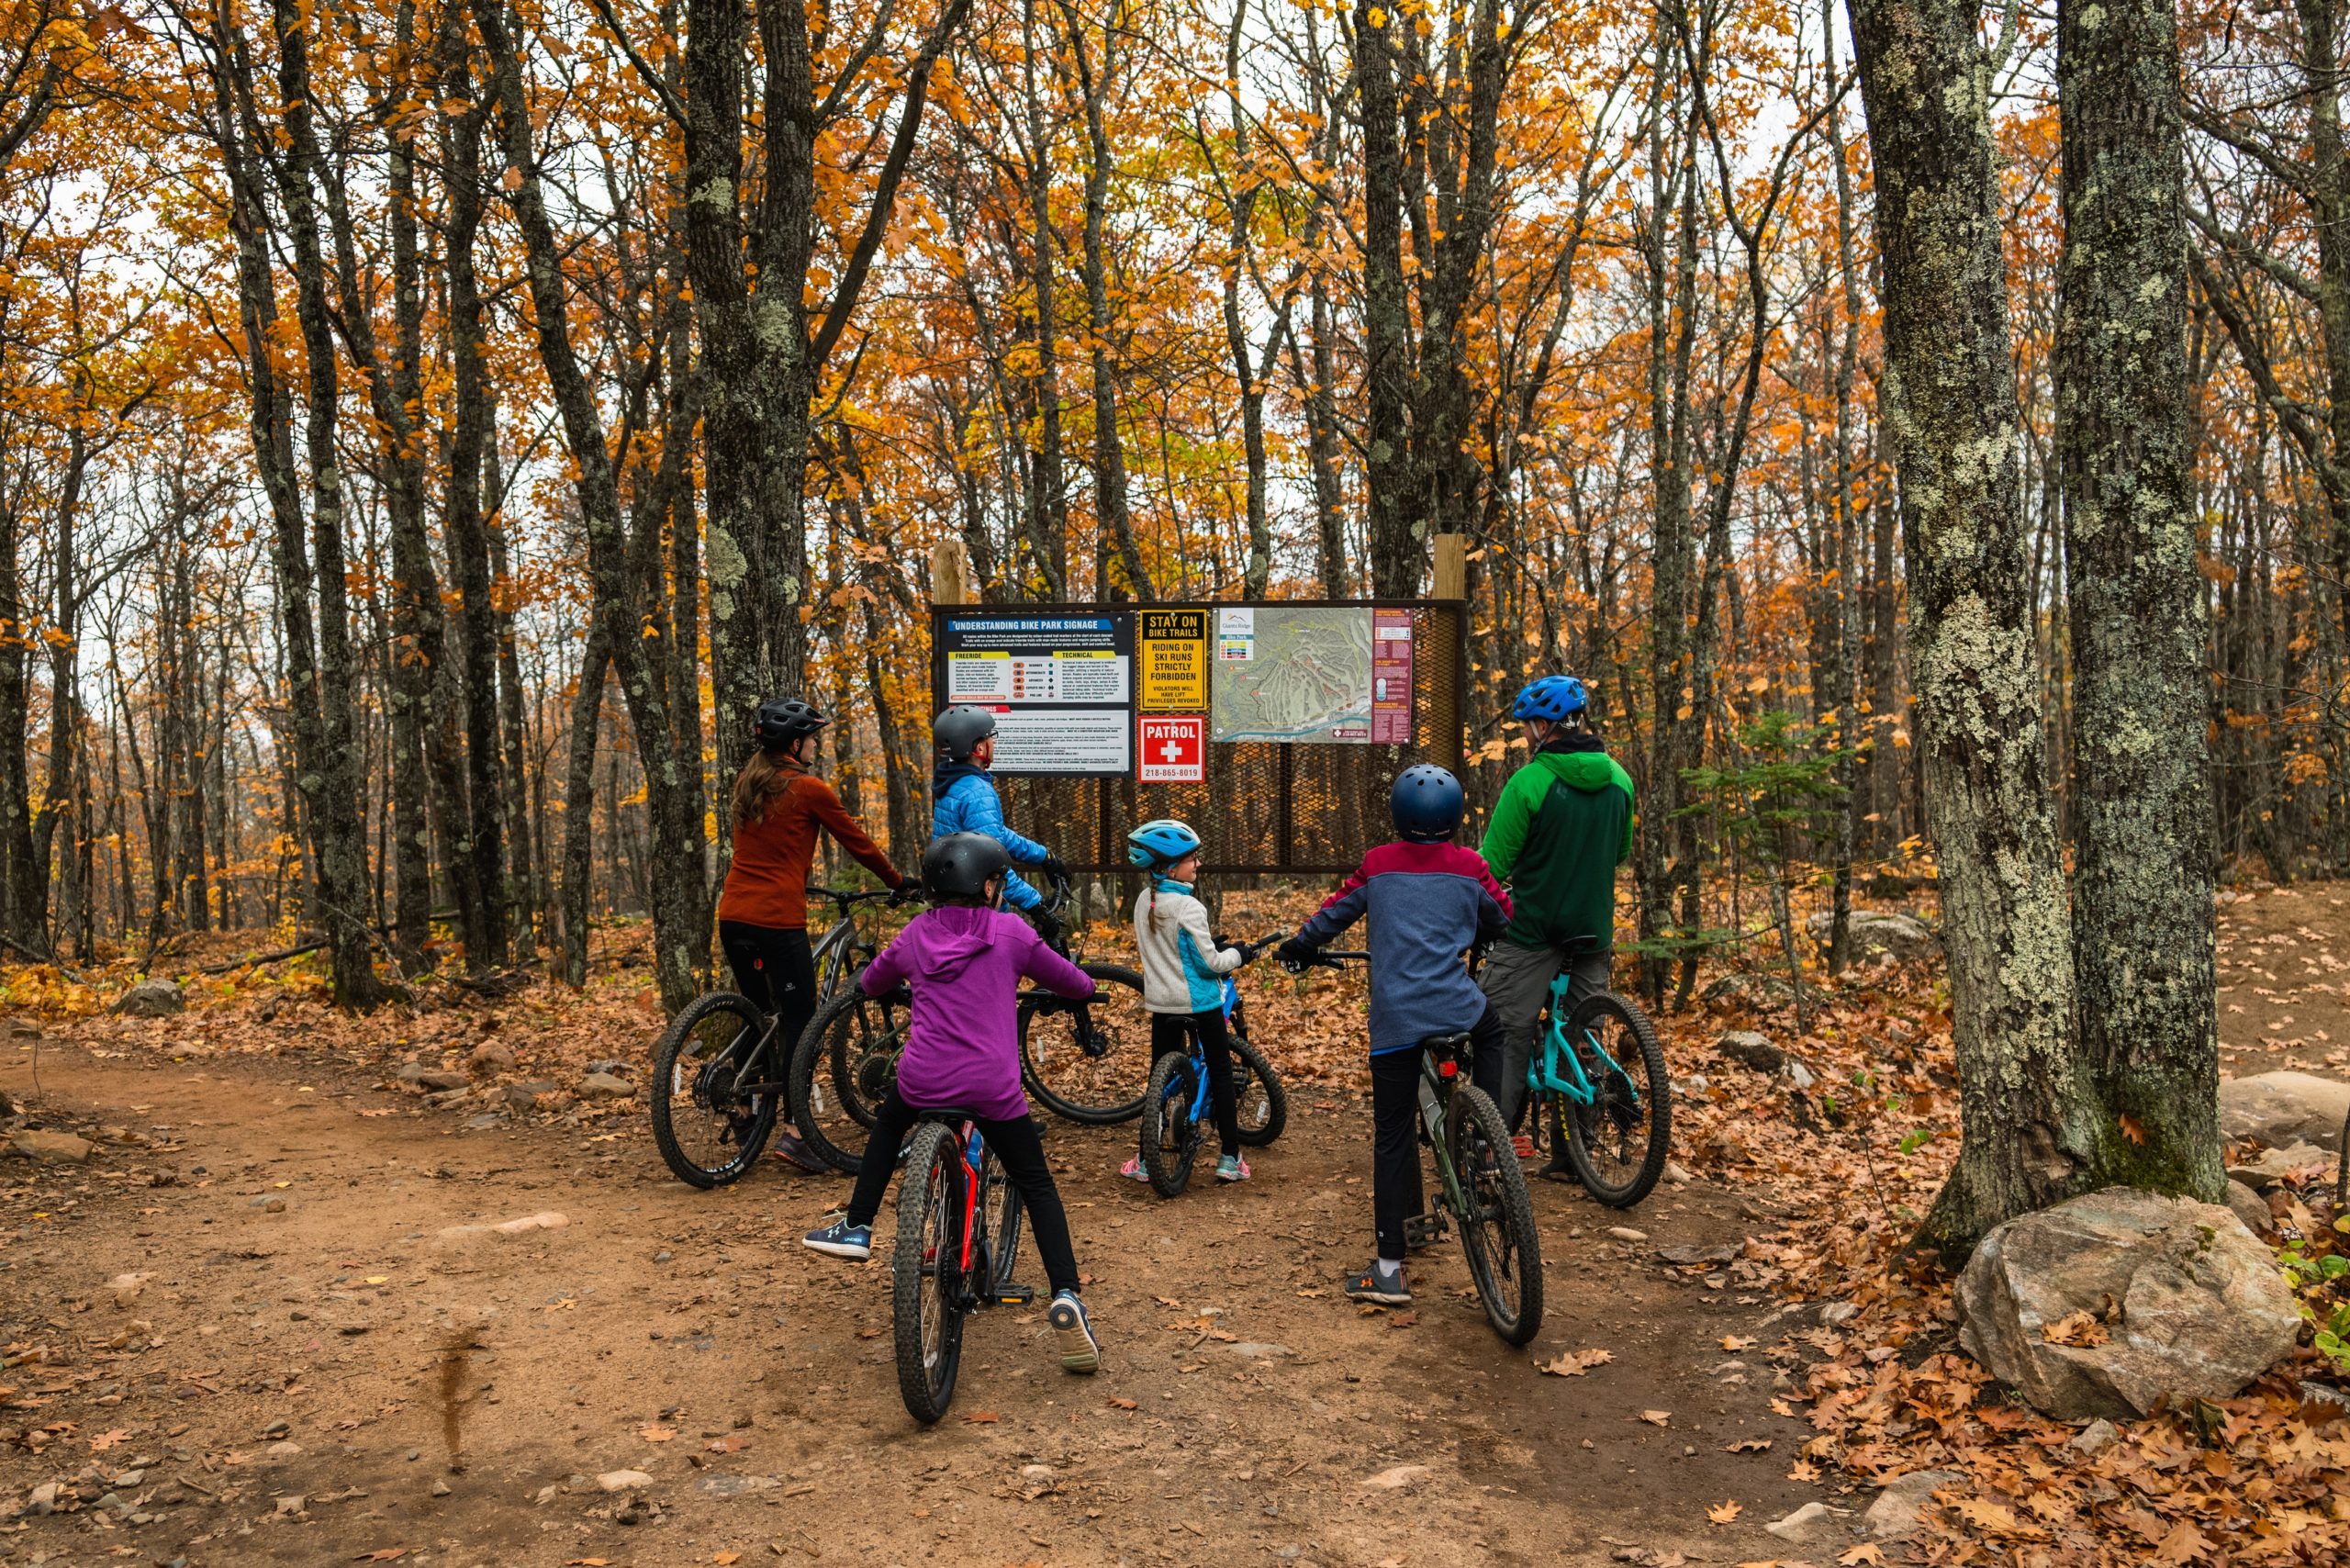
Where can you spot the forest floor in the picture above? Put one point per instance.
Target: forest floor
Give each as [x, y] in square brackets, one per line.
[255, 1319]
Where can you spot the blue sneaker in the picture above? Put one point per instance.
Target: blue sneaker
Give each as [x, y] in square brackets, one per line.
[841, 1240]
[1080, 1352]
[1232, 1168]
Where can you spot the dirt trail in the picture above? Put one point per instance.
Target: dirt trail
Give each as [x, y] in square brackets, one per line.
[299, 1273]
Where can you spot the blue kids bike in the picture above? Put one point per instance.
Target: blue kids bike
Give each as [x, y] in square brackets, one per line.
[1598, 1095]
[1177, 1110]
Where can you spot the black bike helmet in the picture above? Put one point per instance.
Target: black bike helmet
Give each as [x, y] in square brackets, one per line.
[959, 865]
[960, 729]
[782, 720]
[1426, 803]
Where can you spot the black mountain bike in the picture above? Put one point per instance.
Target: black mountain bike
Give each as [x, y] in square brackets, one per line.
[1479, 1184]
[719, 1071]
[1075, 1057]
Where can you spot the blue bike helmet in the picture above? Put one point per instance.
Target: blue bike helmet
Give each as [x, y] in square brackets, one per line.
[1159, 844]
[1553, 697]
[1426, 803]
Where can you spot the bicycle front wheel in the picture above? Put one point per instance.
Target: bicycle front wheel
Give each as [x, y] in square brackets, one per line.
[1258, 1100]
[1497, 1233]
[1089, 1061]
[842, 1069]
[926, 1279]
[1170, 1138]
[1617, 1145]
[713, 1090]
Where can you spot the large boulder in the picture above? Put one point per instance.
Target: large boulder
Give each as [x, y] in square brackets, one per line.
[1900, 937]
[2116, 1301]
[2282, 1109]
[152, 999]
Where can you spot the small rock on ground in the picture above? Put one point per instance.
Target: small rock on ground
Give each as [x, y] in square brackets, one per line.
[51, 1149]
[1813, 1524]
[152, 999]
[623, 1480]
[1895, 1513]
[604, 1086]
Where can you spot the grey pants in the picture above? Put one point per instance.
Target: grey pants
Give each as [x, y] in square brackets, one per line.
[1517, 982]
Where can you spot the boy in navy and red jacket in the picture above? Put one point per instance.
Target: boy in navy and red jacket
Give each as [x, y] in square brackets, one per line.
[1428, 899]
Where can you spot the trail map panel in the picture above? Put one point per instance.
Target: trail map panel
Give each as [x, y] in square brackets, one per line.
[1295, 675]
[1061, 687]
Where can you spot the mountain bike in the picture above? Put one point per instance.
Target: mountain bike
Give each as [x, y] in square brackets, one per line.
[858, 1038]
[1087, 1062]
[958, 1228]
[1598, 1087]
[1480, 1184]
[1177, 1107]
[720, 1071]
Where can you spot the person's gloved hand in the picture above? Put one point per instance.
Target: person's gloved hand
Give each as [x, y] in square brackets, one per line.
[1056, 869]
[905, 891]
[1049, 925]
[1294, 953]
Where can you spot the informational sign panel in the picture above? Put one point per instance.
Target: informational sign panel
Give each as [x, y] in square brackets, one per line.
[1391, 677]
[1296, 674]
[1173, 661]
[1171, 748]
[1061, 686]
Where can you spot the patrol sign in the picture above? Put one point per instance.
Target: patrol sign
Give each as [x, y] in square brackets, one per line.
[1171, 748]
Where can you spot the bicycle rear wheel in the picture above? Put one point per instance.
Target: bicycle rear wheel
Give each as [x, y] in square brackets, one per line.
[842, 1069]
[1259, 1099]
[1617, 1145]
[1089, 1061]
[1505, 1254]
[713, 1093]
[925, 1282]
[1170, 1138]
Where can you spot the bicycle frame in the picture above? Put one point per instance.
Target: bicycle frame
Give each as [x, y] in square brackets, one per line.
[1435, 1100]
[1541, 1070]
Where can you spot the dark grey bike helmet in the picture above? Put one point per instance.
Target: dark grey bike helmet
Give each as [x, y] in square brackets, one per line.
[958, 729]
[959, 865]
[782, 720]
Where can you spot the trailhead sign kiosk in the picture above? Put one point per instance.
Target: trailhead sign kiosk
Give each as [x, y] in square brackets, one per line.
[1274, 729]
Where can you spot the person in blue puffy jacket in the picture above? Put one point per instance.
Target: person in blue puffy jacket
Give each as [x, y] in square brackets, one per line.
[963, 800]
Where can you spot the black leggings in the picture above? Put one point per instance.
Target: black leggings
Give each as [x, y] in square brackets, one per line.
[1172, 1032]
[1395, 1192]
[1017, 1149]
[774, 969]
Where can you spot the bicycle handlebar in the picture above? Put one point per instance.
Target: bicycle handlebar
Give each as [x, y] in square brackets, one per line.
[847, 896]
[1327, 958]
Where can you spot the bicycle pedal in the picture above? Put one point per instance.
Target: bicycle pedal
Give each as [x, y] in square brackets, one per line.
[1425, 1230]
[1016, 1295]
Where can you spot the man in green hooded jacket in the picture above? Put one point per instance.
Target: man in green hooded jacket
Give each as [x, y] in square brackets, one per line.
[1561, 827]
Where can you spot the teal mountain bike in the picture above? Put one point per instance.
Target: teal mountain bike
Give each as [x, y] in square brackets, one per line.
[1598, 1093]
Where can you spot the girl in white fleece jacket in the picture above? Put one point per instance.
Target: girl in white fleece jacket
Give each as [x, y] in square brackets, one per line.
[1182, 975]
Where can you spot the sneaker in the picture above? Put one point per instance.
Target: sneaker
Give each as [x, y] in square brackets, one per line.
[1376, 1284]
[791, 1149]
[1131, 1170]
[841, 1240]
[1523, 1145]
[1232, 1168]
[1081, 1351]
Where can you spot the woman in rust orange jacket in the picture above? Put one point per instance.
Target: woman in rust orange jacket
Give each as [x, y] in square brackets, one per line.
[778, 806]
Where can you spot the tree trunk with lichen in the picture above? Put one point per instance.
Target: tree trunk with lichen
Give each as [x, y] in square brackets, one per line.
[2143, 937]
[2027, 1107]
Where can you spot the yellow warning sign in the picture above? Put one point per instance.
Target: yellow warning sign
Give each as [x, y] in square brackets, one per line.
[1174, 660]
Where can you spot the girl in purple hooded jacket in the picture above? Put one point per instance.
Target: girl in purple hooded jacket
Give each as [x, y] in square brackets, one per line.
[964, 959]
